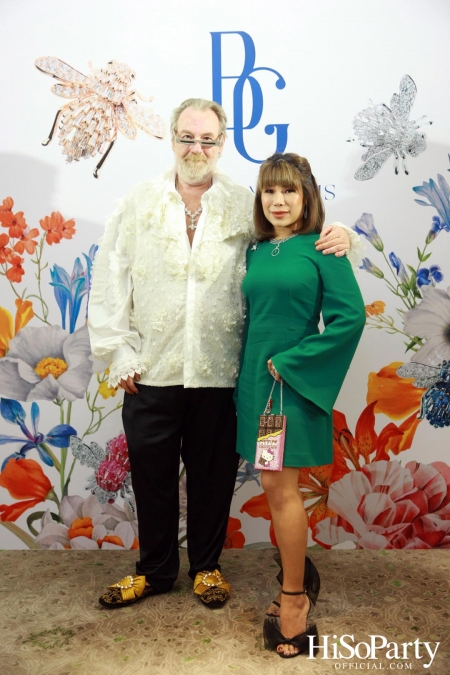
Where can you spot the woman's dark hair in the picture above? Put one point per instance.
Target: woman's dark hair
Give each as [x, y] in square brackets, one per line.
[289, 171]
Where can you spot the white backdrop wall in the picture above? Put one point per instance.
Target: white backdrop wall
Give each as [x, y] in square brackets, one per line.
[333, 57]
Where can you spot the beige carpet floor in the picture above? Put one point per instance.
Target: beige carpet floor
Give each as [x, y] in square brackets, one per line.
[52, 624]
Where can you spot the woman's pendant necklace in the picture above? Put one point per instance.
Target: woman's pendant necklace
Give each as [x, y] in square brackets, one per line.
[193, 216]
[277, 243]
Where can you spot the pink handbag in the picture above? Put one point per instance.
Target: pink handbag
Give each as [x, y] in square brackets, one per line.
[271, 436]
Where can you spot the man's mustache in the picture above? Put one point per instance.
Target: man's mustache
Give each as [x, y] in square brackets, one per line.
[195, 159]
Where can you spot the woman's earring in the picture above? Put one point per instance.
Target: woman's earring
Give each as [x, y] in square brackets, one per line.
[305, 212]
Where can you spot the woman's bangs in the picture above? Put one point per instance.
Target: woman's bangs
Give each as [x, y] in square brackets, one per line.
[279, 173]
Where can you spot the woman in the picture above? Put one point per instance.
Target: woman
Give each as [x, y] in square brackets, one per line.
[287, 286]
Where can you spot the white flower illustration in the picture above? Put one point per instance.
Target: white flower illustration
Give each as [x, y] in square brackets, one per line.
[87, 524]
[430, 320]
[47, 364]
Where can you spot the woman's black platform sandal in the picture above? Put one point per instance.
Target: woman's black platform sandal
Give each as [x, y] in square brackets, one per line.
[311, 580]
[273, 637]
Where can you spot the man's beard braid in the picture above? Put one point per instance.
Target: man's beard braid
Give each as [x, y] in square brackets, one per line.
[194, 167]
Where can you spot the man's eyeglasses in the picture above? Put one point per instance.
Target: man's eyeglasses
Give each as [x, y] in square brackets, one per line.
[203, 142]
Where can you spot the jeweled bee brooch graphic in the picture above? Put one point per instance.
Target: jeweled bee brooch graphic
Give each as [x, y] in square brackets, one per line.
[101, 104]
[389, 131]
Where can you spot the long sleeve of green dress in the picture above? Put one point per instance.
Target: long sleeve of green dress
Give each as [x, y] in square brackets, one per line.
[286, 295]
[328, 354]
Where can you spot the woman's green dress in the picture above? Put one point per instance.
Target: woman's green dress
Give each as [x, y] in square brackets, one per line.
[285, 295]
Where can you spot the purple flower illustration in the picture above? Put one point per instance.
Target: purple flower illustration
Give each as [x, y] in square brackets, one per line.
[14, 413]
[429, 276]
[399, 268]
[436, 226]
[365, 226]
[247, 473]
[371, 268]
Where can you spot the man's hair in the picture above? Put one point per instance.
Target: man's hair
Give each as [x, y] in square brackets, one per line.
[199, 104]
[289, 171]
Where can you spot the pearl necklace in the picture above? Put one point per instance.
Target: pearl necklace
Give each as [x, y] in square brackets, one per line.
[277, 243]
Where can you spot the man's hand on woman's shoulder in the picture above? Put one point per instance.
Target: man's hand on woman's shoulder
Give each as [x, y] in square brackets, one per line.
[334, 239]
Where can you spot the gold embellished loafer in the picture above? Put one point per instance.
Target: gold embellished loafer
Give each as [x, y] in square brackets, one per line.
[128, 590]
[211, 588]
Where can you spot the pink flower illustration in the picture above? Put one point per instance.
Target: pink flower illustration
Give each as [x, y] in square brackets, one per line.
[387, 506]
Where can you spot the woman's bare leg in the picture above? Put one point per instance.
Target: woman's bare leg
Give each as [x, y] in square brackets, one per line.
[290, 523]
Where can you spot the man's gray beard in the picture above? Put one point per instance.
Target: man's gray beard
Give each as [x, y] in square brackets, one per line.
[194, 171]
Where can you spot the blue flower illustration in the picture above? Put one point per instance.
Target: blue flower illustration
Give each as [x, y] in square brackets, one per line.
[14, 413]
[69, 291]
[438, 195]
[429, 276]
[436, 226]
[399, 268]
[247, 474]
[365, 226]
[371, 268]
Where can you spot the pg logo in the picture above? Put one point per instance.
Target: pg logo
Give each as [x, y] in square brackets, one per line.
[257, 101]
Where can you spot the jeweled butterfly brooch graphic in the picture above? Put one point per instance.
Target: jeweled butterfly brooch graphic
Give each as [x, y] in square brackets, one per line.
[102, 104]
[389, 131]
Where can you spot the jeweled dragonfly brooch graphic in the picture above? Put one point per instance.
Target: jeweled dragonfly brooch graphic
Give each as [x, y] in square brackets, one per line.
[435, 403]
[102, 104]
[389, 131]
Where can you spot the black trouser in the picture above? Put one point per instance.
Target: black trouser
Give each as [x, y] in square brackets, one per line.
[159, 423]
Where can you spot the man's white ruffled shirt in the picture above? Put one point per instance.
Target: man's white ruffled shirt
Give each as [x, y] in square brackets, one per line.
[172, 313]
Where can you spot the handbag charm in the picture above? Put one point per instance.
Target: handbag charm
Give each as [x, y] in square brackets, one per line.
[271, 436]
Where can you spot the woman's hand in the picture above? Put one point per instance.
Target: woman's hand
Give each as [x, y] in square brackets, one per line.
[273, 371]
[333, 239]
[129, 384]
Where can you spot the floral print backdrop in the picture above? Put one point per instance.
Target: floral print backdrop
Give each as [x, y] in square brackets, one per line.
[64, 470]
[366, 496]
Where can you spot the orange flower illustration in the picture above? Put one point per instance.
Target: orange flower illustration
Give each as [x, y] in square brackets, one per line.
[68, 229]
[395, 396]
[234, 538]
[81, 527]
[84, 527]
[7, 204]
[56, 228]
[8, 329]
[5, 251]
[16, 271]
[14, 221]
[26, 242]
[375, 308]
[24, 479]
[114, 539]
[369, 445]
[258, 507]
[350, 453]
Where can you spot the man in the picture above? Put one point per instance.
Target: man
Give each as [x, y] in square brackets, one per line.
[166, 312]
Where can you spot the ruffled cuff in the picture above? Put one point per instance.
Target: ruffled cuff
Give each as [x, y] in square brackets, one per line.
[357, 247]
[357, 250]
[125, 364]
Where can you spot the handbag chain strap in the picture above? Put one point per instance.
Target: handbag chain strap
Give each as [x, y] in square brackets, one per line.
[268, 407]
